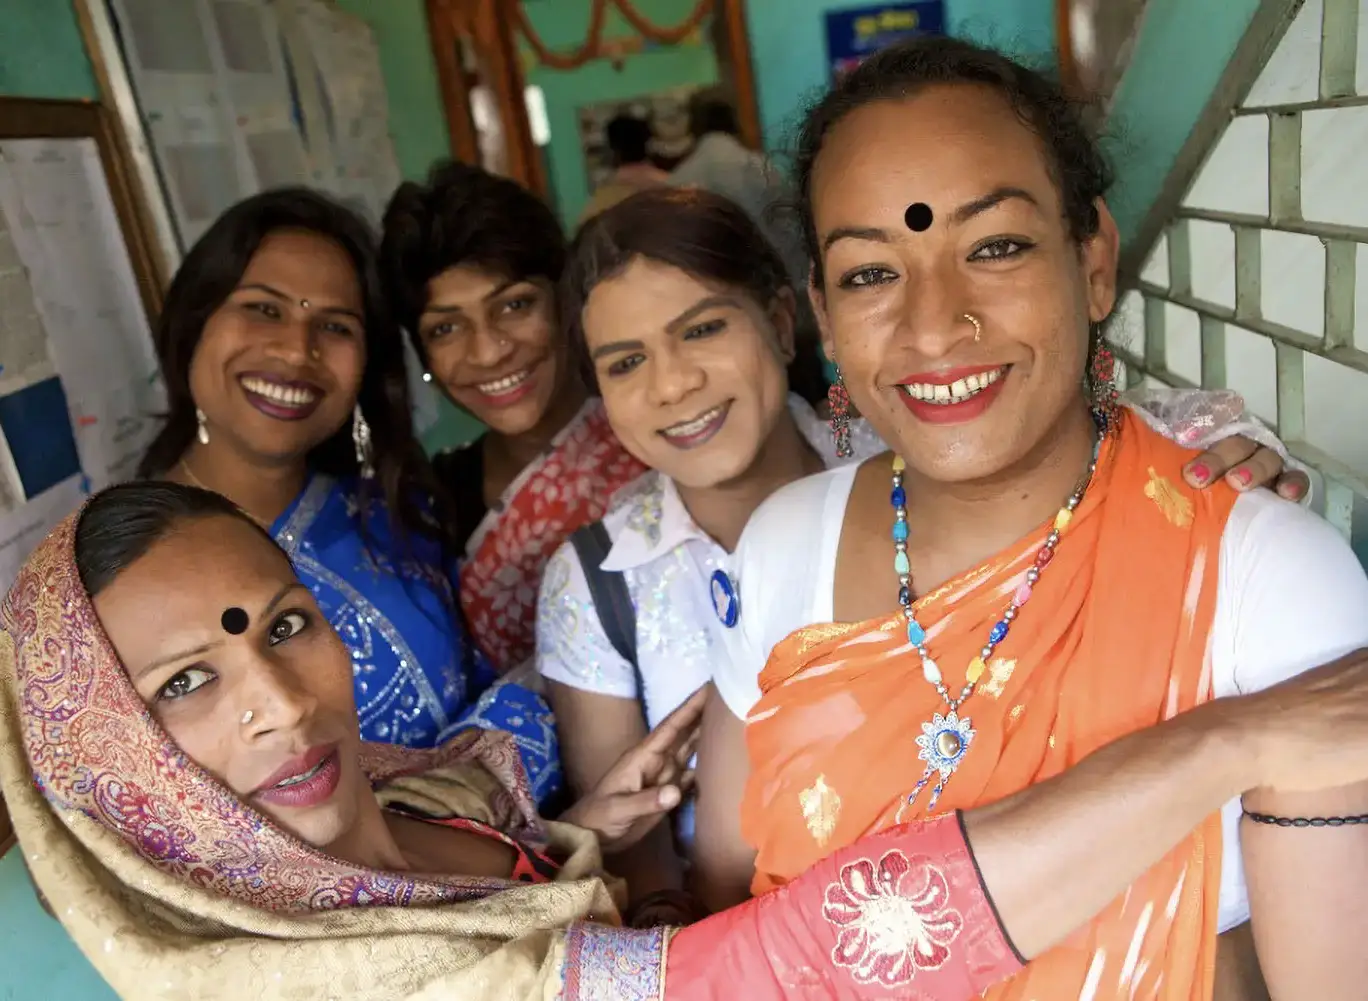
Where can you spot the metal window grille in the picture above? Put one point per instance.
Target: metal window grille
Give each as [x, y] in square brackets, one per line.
[1258, 281]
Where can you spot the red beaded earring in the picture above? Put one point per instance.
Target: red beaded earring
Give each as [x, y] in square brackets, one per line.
[1102, 382]
[839, 400]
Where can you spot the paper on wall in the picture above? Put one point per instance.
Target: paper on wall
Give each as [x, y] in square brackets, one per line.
[69, 307]
[23, 529]
[62, 220]
[342, 90]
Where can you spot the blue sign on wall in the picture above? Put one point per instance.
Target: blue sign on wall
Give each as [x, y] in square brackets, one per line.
[854, 35]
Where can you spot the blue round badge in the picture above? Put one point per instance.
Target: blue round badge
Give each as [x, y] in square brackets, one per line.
[724, 598]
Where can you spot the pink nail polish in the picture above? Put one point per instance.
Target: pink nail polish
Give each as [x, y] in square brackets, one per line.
[1244, 476]
[1200, 473]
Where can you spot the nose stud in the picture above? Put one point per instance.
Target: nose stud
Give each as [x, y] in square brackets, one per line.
[978, 327]
[247, 717]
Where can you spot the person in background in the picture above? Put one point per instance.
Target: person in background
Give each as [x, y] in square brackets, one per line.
[471, 262]
[1025, 582]
[684, 315]
[721, 163]
[287, 394]
[629, 139]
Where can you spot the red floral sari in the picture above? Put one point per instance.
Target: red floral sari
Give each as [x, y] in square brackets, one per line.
[567, 488]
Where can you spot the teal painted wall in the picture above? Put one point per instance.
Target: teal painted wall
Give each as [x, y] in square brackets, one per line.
[788, 47]
[37, 959]
[41, 51]
[563, 25]
[417, 119]
[1156, 108]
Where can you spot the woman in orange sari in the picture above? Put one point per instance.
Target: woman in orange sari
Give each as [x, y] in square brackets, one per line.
[1020, 583]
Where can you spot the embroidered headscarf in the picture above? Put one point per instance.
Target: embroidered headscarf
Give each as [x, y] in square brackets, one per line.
[173, 887]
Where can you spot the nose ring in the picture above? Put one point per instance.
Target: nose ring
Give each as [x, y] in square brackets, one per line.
[978, 327]
[247, 717]
[315, 354]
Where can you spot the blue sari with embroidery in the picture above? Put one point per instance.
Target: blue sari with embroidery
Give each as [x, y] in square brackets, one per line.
[418, 679]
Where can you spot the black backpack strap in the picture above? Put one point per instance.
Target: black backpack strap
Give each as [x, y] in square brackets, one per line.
[612, 600]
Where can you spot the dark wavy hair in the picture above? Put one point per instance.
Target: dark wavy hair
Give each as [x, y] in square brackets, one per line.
[120, 524]
[464, 215]
[698, 232]
[209, 274]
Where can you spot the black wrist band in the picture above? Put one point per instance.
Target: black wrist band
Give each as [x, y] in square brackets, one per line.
[1266, 818]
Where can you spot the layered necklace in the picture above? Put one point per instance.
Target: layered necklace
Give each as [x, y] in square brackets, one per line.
[945, 740]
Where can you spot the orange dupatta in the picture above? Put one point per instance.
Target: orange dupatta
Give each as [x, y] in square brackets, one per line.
[1112, 640]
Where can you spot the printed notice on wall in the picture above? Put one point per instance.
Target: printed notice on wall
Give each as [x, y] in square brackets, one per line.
[855, 35]
[79, 391]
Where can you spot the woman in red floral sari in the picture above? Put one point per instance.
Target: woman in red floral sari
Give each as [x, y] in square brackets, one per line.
[472, 262]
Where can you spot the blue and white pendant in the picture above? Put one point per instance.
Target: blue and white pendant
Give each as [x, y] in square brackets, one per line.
[944, 742]
[725, 601]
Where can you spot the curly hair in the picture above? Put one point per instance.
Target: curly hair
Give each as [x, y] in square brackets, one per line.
[464, 215]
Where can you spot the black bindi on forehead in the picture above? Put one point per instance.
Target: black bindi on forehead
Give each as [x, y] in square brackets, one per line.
[919, 217]
[235, 621]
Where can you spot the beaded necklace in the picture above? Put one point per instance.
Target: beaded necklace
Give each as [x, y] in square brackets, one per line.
[945, 740]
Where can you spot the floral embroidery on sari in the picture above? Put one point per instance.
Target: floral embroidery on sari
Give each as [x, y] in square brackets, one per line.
[895, 918]
[621, 963]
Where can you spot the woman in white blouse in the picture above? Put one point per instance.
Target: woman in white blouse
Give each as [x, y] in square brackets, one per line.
[685, 315]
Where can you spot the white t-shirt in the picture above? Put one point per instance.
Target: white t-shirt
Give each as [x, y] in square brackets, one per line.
[1290, 596]
[667, 563]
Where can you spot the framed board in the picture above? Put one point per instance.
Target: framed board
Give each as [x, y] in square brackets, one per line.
[79, 288]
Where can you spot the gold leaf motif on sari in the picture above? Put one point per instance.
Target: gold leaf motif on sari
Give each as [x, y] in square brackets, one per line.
[821, 809]
[965, 582]
[815, 636]
[999, 673]
[1168, 499]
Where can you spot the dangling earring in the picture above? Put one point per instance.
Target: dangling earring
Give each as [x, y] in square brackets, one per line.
[839, 400]
[361, 438]
[1102, 384]
[202, 428]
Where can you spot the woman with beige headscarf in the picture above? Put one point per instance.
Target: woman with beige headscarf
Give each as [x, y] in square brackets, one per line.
[181, 758]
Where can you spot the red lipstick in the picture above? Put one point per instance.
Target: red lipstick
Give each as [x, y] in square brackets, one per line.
[978, 394]
[309, 779]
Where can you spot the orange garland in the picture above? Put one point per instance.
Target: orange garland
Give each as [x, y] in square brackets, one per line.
[593, 43]
[665, 36]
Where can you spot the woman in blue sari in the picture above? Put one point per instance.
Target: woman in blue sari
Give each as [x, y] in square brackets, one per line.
[288, 394]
